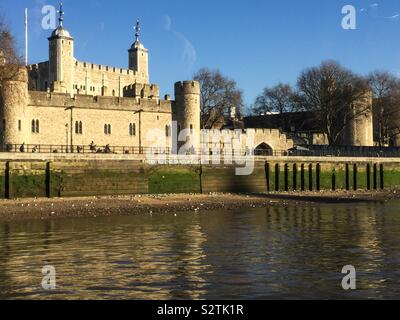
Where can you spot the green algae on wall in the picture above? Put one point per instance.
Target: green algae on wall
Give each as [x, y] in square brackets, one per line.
[92, 178]
[174, 180]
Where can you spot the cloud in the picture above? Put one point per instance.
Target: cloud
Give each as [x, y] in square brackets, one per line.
[393, 17]
[167, 23]
[189, 54]
[374, 5]
[363, 10]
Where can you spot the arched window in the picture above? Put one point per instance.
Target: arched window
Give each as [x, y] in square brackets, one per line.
[167, 131]
[105, 129]
[80, 127]
[76, 127]
[109, 129]
[113, 93]
[33, 126]
[37, 126]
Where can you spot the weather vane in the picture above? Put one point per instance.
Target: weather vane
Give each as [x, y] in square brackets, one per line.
[61, 12]
[137, 30]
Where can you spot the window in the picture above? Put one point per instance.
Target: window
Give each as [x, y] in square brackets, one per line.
[78, 127]
[191, 129]
[167, 131]
[132, 129]
[113, 93]
[19, 125]
[35, 126]
[107, 129]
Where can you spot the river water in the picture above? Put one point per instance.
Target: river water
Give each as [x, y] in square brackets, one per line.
[295, 252]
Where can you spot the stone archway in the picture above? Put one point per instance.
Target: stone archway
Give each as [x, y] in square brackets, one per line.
[263, 149]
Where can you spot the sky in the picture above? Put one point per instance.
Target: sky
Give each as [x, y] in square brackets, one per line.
[258, 43]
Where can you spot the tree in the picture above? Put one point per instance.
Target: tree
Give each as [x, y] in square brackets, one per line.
[219, 95]
[278, 99]
[330, 91]
[386, 106]
[9, 59]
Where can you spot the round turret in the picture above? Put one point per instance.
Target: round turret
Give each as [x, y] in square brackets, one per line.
[13, 100]
[360, 130]
[187, 113]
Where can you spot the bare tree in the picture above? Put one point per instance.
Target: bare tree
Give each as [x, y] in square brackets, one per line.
[218, 95]
[9, 59]
[278, 99]
[330, 91]
[386, 106]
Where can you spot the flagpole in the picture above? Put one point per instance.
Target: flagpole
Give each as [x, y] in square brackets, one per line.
[26, 36]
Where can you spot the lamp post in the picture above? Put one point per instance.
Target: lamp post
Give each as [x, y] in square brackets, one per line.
[66, 138]
[140, 128]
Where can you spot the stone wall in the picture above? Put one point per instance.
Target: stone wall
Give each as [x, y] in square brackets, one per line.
[66, 178]
[90, 79]
[252, 138]
[58, 114]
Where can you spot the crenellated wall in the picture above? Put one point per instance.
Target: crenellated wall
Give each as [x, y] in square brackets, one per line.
[44, 99]
[56, 117]
[246, 139]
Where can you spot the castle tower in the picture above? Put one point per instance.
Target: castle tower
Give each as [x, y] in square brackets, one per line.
[13, 101]
[187, 112]
[360, 131]
[61, 58]
[139, 58]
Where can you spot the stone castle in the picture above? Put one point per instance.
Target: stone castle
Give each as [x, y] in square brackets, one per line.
[68, 103]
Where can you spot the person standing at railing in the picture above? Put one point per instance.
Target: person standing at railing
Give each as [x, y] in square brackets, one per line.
[107, 149]
[92, 147]
[22, 147]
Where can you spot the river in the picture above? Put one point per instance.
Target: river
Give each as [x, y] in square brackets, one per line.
[294, 252]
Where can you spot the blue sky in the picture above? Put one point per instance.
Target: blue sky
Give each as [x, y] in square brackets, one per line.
[256, 42]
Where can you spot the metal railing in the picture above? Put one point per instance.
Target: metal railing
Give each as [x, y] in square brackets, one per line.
[312, 151]
[31, 148]
[365, 152]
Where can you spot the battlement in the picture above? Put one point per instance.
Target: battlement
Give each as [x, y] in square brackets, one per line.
[104, 68]
[51, 99]
[142, 91]
[19, 74]
[187, 87]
